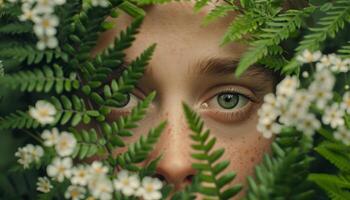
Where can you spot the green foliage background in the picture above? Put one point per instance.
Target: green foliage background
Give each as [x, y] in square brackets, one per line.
[299, 168]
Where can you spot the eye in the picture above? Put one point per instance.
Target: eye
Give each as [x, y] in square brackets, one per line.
[228, 101]
[229, 105]
[231, 100]
[130, 102]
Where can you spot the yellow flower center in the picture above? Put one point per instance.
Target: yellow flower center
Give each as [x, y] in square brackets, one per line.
[149, 188]
[43, 112]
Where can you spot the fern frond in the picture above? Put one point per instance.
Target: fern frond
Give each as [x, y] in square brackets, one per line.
[139, 151]
[243, 24]
[115, 93]
[72, 110]
[344, 51]
[209, 169]
[111, 58]
[275, 31]
[328, 26]
[289, 157]
[88, 144]
[120, 128]
[41, 80]
[334, 153]
[19, 120]
[15, 28]
[200, 4]
[219, 12]
[30, 54]
[335, 186]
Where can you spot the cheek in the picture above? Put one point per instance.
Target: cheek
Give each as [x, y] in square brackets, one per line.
[244, 153]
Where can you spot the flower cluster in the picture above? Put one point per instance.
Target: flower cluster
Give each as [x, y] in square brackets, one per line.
[309, 107]
[92, 180]
[29, 154]
[41, 13]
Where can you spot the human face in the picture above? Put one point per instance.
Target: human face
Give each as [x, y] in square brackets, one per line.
[190, 66]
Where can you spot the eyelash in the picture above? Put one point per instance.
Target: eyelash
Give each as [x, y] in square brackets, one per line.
[223, 116]
[231, 116]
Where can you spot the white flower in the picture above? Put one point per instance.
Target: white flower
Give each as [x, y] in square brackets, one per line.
[325, 62]
[47, 42]
[80, 176]
[287, 86]
[268, 130]
[44, 112]
[102, 3]
[308, 57]
[46, 25]
[150, 189]
[301, 101]
[36, 152]
[342, 134]
[50, 137]
[43, 185]
[66, 144]
[45, 6]
[29, 154]
[24, 157]
[101, 187]
[346, 102]
[338, 65]
[324, 80]
[291, 117]
[267, 113]
[97, 169]
[126, 183]
[75, 192]
[60, 168]
[308, 125]
[333, 116]
[29, 13]
[321, 96]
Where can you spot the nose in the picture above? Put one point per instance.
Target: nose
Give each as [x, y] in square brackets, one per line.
[175, 166]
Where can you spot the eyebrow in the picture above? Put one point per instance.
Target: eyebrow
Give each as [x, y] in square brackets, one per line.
[222, 67]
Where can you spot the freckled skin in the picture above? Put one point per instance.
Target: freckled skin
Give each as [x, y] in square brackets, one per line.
[180, 41]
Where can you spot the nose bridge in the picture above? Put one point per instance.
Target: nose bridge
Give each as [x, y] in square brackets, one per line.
[174, 145]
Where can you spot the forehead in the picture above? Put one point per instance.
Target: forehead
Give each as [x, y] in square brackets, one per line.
[178, 32]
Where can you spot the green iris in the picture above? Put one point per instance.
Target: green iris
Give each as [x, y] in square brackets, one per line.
[228, 100]
[125, 101]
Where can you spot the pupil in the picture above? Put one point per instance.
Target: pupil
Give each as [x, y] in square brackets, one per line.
[125, 101]
[227, 100]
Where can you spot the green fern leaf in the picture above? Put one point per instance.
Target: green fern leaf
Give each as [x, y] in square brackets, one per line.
[71, 110]
[41, 80]
[116, 92]
[328, 26]
[335, 154]
[88, 144]
[275, 31]
[218, 12]
[16, 28]
[242, 25]
[19, 120]
[139, 151]
[208, 166]
[344, 51]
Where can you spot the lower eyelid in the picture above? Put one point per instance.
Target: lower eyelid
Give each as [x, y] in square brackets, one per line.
[226, 117]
